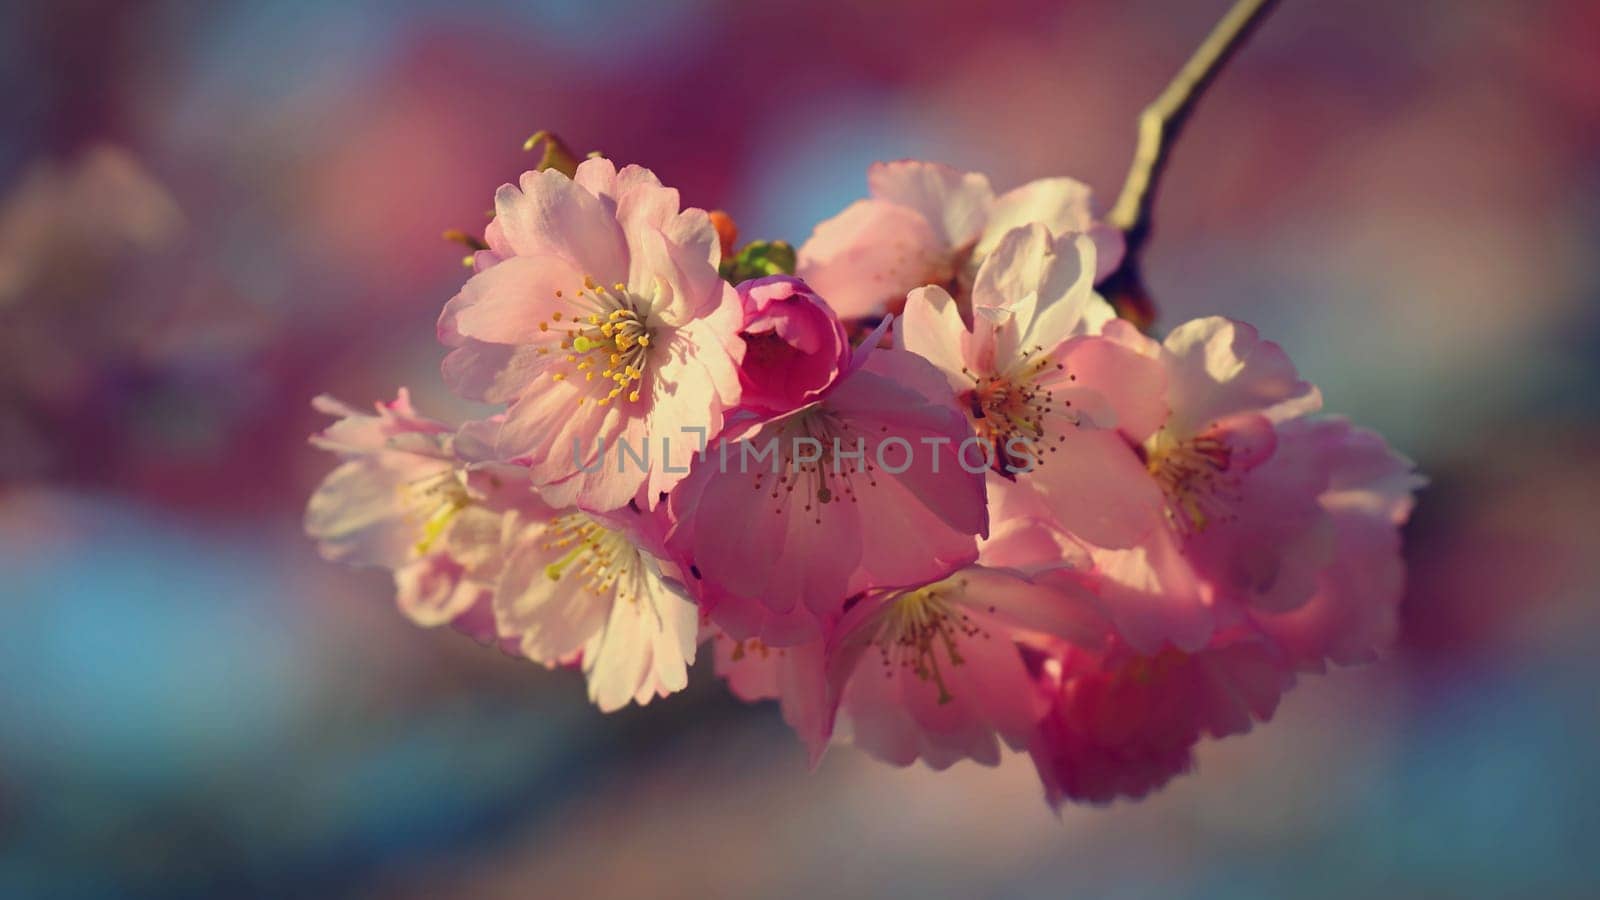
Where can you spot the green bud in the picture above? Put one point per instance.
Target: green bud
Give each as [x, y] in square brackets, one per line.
[759, 259]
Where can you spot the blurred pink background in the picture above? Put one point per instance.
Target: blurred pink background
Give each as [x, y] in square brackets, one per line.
[210, 212]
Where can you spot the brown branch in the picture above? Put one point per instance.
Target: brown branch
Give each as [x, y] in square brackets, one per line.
[1159, 127]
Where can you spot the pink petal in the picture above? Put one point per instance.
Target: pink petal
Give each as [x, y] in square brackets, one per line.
[1058, 608]
[1110, 246]
[685, 413]
[434, 591]
[1046, 283]
[1059, 204]
[509, 303]
[749, 667]
[1354, 613]
[1153, 595]
[554, 216]
[1029, 267]
[692, 286]
[357, 513]
[865, 259]
[1133, 384]
[492, 373]
[955, 203]
[1268, 551]
[551, 618]
[931, 327]
[1220, 367]
[1097, 487]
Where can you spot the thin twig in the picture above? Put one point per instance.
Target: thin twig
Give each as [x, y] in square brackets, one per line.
[1163, 120]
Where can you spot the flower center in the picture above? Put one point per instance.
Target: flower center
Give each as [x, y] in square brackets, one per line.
[918, 626]
[608, 335]
[752, 647]
[604, 558]
[1197, 477]
[765, 350]
[804, 461]
[1012, 411]
[433, 501]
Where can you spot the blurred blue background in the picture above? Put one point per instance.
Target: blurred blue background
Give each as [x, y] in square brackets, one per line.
[210, 212]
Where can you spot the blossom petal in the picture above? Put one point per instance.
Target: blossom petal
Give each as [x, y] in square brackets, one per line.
[865, 259]
[646, 645]
[1153, 595]
[1097, 487]
[492, 373]
[553, 215]
[1220, 367]
[552, 618]
[681, 283]
[1059, 204]
[357, 514]
[1268, 551]
[1133, 384]
[931, 327]
[1354, 612]
[514, 302]
[955, 203]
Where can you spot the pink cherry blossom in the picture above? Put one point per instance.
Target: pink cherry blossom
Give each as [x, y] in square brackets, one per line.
[1255, 524]
[927, 223]
[1280, 553]
[1121, 724]
[782, 520]
[938, 673]
[795, 347]
[592, 590]
[1059, 403]
[1240, 526]
[403, 500]
[1217, 457]
[1352, 615]
[598, 314]
[1150, 543]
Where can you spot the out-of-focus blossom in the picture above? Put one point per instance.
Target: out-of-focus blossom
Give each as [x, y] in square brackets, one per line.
[598, 314]
[794, 346]
[927, 223]
[404, 500]
[74, 239]
[472, 545]
[1233, 522]
[65, 226]
[1238, 489]
[786, 518]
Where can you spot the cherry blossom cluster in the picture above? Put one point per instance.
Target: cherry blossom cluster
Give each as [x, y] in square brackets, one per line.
[917, 483]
